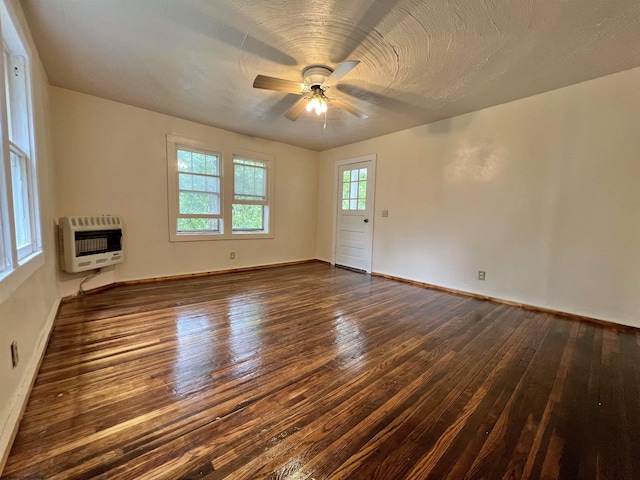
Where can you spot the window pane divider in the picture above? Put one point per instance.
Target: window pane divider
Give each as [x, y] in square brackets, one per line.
[251, 202]
[17, 150]
[199, 191]
[198, 215]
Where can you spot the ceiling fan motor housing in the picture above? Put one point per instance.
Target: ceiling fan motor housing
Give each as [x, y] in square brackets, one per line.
[315, 75]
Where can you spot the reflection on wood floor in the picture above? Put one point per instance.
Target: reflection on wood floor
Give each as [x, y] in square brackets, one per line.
[312, 372]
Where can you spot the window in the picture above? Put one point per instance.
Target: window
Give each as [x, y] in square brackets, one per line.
[216, 194]
[250, 205]
[198, 192]
[19, 216]
[354, 189]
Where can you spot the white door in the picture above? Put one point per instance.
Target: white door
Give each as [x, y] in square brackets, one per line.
[354, 224]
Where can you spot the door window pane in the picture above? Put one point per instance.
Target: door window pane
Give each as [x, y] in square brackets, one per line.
[354, 189]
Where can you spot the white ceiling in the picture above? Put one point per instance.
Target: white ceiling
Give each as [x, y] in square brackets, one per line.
[421, 61]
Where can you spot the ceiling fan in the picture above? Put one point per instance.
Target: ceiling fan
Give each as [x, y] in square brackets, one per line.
[317, 79]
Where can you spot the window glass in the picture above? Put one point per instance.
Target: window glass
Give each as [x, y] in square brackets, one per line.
[250, 188]
[20, 200]
[197, 225]
[250, 180]
[248, 217]
[198, 192]
[354, 189]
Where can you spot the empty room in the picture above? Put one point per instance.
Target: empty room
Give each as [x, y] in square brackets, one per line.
[269, 239]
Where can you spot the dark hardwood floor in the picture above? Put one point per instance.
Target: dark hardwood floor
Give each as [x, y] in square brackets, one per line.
[311, 372]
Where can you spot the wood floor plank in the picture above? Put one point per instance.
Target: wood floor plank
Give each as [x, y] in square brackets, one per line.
[472, 410]
[442, 395]
[554, 397]
[312, 372]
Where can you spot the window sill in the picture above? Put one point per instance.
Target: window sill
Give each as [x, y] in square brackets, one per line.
[207, 237]
[11, 280]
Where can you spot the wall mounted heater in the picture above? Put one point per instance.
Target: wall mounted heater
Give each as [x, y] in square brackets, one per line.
[89, 242]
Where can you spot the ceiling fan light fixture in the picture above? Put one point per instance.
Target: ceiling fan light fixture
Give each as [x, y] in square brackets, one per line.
[317, 102]
[310, 104]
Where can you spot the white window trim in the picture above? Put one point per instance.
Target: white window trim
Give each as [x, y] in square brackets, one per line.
[17, 270]
[227, 154]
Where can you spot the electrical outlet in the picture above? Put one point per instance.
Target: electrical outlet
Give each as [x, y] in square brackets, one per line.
[481, 275]
[232, 255]
[385, 213]
[15, 358]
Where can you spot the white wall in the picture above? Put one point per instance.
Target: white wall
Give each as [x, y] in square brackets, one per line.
[542, 193]
[26, 311]
[111, 158]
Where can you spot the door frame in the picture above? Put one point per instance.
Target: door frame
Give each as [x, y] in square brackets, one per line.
[372, 157]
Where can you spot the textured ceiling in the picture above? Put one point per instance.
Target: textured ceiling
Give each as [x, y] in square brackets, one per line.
[421, 61]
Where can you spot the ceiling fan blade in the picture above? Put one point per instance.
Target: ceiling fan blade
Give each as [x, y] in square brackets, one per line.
[297, 109]
[349, 108]
[279, 85]
[342, 69]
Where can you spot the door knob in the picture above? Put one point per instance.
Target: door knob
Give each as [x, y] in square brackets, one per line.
[366, 220]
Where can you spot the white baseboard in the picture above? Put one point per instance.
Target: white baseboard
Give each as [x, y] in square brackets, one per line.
[12, 422]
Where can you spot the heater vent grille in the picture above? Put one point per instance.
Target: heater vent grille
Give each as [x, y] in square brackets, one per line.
[88, 242]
